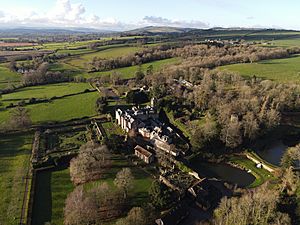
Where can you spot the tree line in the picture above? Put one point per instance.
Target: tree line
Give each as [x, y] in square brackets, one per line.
[205, 56]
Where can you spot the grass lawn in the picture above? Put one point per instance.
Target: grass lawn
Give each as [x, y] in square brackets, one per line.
[108, 53]
[281, 70]
[64, 109]
[14, 161]
[261, 175]
[129, 72]
[142, 182]
[52, 189]
[112, 128]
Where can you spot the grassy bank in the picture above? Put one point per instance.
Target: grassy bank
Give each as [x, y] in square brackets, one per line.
[261, 175]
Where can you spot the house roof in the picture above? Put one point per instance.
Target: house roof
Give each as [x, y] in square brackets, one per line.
[143, 151]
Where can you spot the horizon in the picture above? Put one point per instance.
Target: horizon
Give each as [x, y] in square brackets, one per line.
[124, 16]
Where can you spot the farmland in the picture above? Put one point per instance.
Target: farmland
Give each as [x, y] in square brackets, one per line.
[129, 72]
[47, 91]
[280, 70]
[108, 53]
[62, 109]
[6, 75]
[16, 44]
[292, 42]
[14, 162]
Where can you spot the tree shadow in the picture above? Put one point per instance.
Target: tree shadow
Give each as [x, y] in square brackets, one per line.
[42, 204]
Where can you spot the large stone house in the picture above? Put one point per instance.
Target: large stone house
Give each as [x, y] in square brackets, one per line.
[131, 118]
[145, 122]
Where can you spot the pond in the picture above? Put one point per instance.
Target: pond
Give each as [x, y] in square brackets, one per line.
[273, 152]
[223, 172]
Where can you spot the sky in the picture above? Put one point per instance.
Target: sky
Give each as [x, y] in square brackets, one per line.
[121, 15]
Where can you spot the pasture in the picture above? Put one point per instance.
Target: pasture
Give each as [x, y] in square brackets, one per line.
[7, 76]
[129, 72]
[62, 109]
[14, 162]
[280, 70]
[105, 54]
[292, 42]
[46, 91]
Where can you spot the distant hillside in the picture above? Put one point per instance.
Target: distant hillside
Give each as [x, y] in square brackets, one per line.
[29, 31]
[243, 33]
[158, 30]
[254, 34]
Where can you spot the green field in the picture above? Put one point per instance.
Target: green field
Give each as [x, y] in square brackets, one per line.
[293, 42]
[52, 189]
[14, 161]
[281, 70]
[7, 77]
[63, 109]
[129, 72]
[105, 54]
[46, 91]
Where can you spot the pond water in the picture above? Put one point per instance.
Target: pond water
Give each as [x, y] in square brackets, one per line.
[223, 172]
[273, 152]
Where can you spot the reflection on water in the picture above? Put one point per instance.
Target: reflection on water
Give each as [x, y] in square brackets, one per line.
[223, 171]
[273, 152]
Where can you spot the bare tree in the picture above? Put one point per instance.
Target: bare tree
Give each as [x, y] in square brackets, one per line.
[92, 206]
[231, 134]
[79, 208]
[257, 207]
[124, 181]
[20, 118]
[91, 163]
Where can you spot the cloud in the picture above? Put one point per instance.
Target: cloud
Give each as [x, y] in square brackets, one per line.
[250, 18]
[65, 13]
[160, 21]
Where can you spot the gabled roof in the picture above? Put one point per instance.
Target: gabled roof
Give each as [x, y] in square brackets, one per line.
[143, 151]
